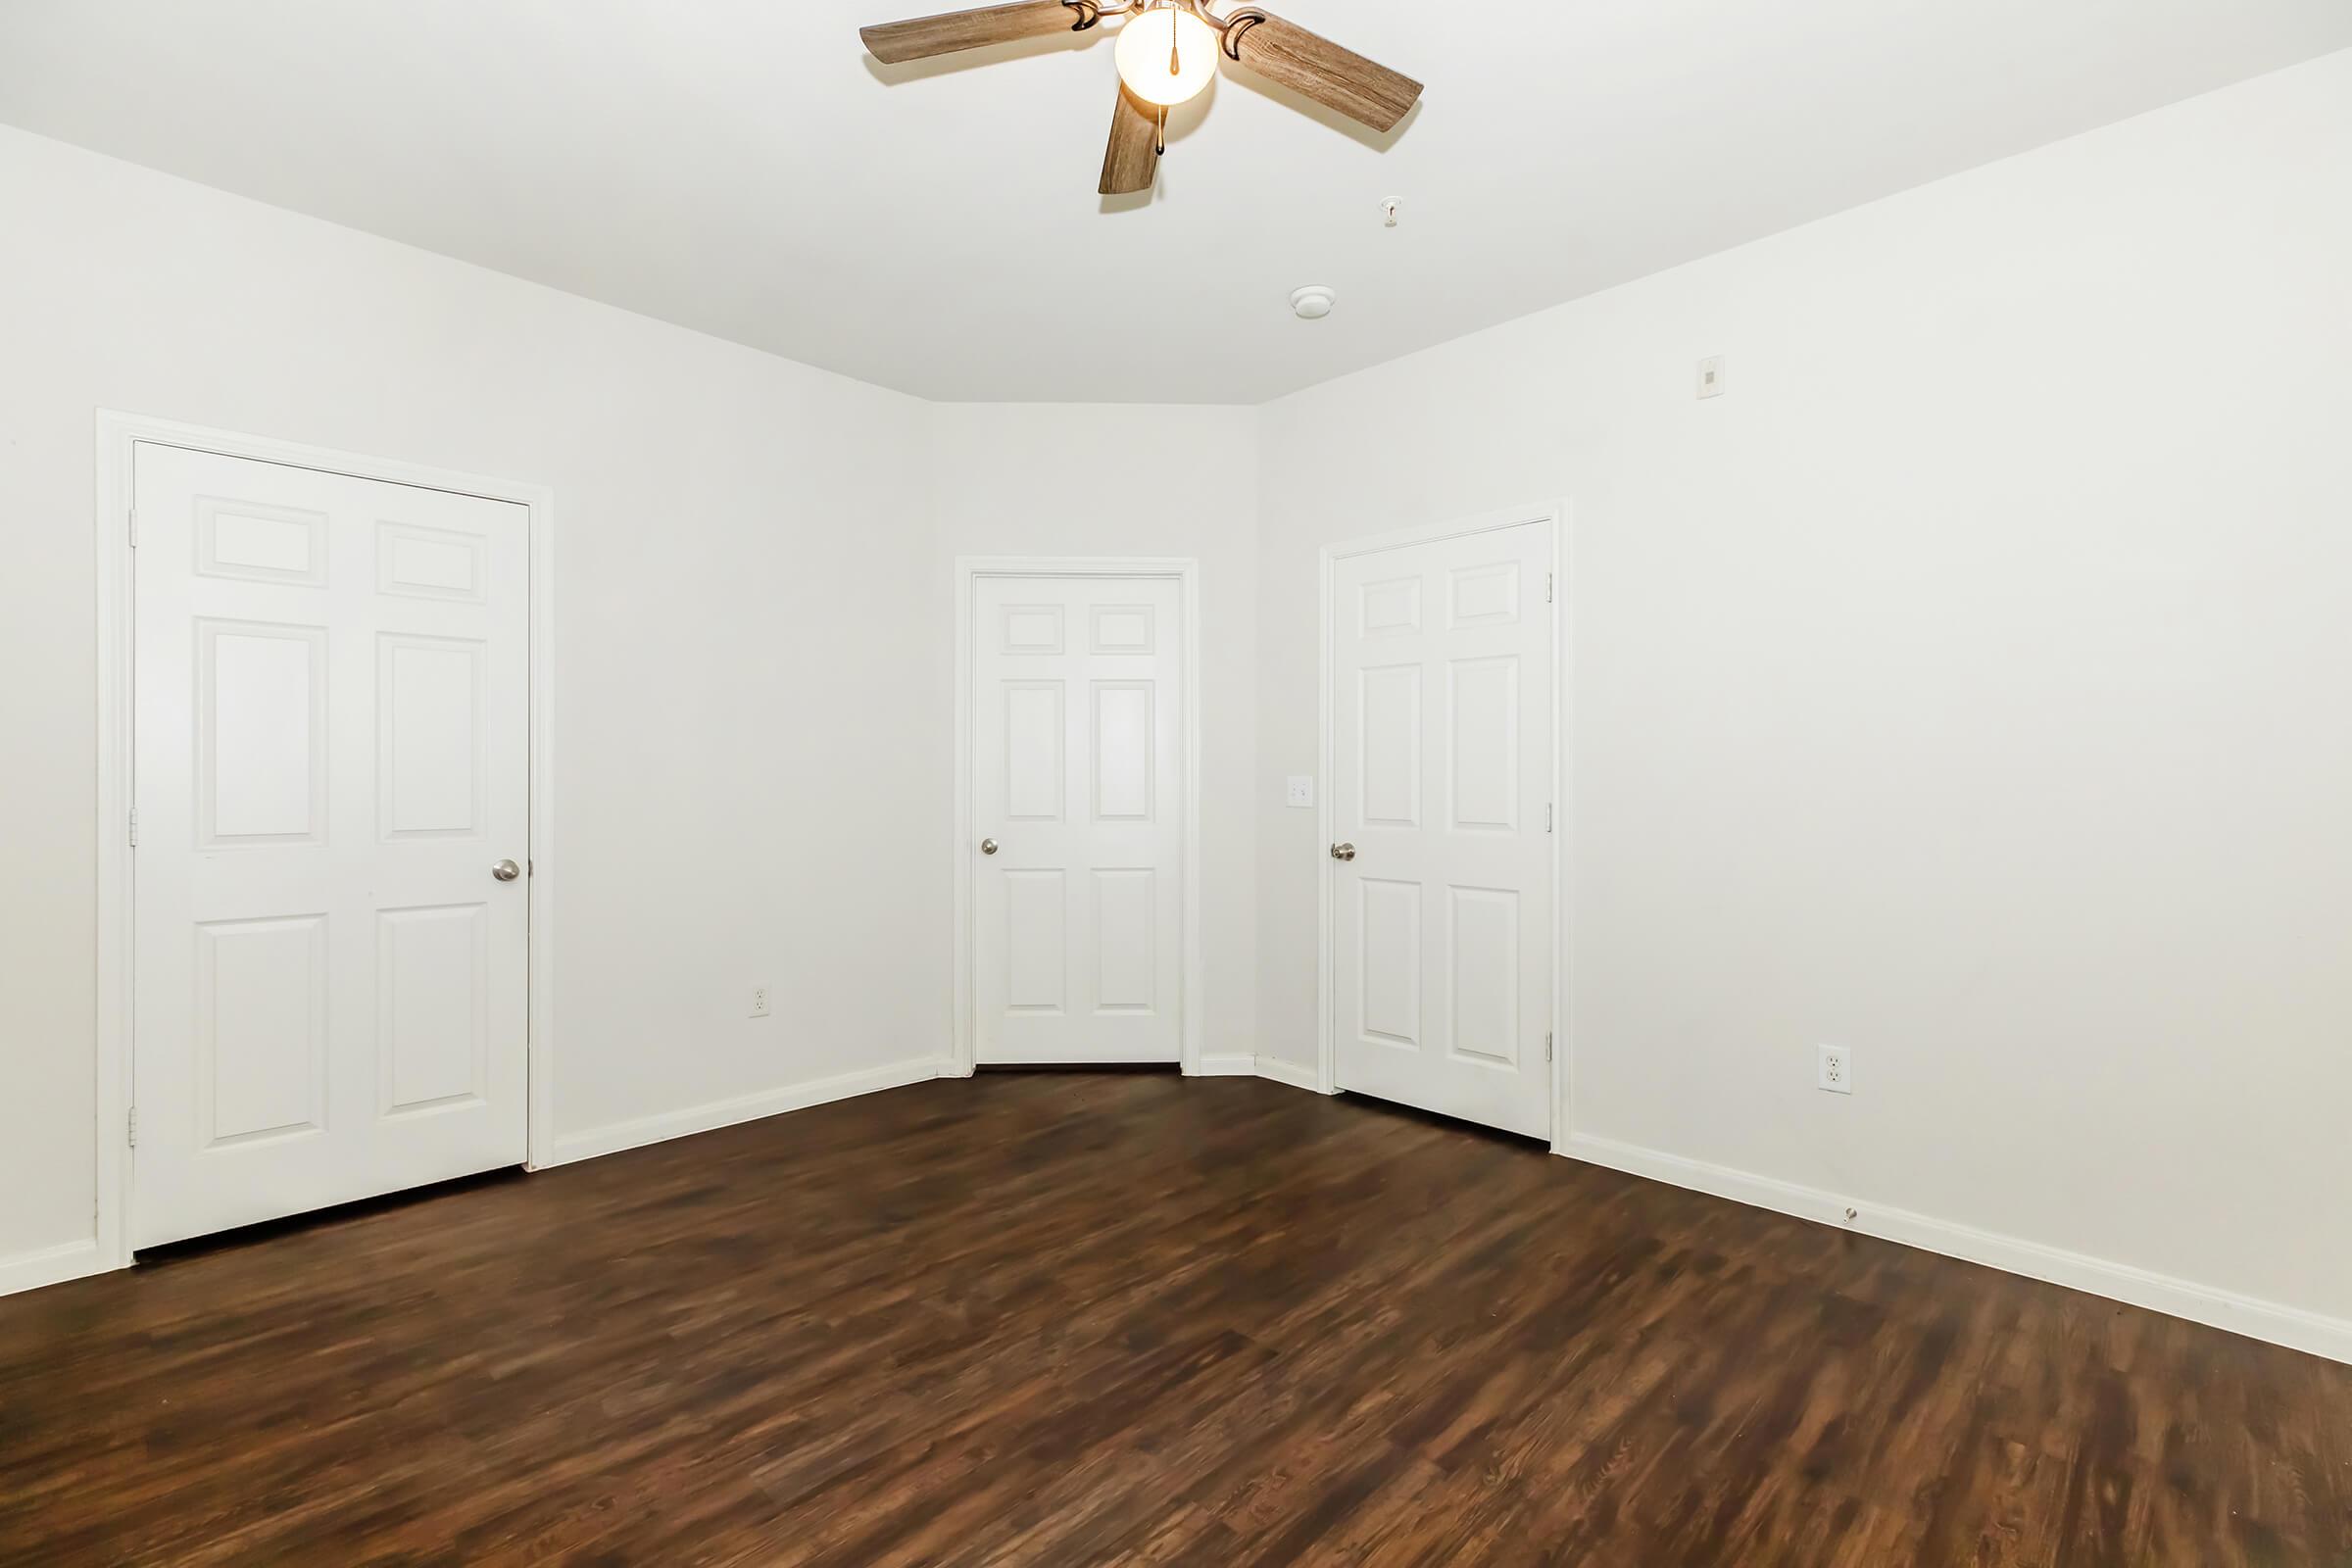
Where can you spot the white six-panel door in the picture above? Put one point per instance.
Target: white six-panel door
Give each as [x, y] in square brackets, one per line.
[330, 760]
[1077, 816]
[1441, 778]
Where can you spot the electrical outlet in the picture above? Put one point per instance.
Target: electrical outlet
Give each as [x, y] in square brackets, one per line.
[759, 1002]
[1835, 1072]
[1710, 377]
[1301, 793]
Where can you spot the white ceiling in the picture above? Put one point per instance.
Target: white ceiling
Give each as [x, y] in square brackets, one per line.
[739, 167]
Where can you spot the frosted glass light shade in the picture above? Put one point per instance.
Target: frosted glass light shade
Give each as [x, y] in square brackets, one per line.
[1143, 54]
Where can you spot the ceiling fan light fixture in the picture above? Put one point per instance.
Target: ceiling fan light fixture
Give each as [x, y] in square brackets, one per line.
[1167, 55]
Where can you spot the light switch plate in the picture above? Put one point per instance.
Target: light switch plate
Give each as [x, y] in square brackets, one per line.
[1302, 792]
[1710, 377]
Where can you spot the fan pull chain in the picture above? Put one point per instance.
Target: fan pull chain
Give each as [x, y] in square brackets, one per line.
[1159, 139]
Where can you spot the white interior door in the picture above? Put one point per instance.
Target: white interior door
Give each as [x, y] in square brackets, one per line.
[1077, 818]
[1441, 764]
[330, 753]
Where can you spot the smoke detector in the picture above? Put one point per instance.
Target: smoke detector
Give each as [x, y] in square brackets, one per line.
[1311, 303]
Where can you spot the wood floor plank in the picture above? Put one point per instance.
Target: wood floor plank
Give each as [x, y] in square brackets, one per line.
[1125, 1318]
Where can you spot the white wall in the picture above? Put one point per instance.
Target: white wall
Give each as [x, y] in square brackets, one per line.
[1970, 686]
[1064, 479]
[736, 537]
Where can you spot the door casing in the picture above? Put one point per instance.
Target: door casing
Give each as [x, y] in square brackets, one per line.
[969, 571]
[1553, 515]
[119, 436]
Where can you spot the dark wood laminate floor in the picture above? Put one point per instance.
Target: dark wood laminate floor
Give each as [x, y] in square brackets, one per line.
[1066, 1318]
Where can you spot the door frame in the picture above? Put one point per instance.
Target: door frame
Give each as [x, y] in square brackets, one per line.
[119, 437]
[1185, 572]
[1556, 517]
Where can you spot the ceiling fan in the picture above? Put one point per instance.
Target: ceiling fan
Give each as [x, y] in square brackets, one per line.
[1167, 52]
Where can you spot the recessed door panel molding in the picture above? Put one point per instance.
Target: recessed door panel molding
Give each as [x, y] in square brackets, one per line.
[1122, 745]
[432, 743]
[1125, 628]
[260, 543]
[1031, 629]
[261, 734]
[260, 1029]
[1482, 973]
[1481, 742]
[1035, 730]
[1037, 944]
[432, 989]
[420, 563]
[331, 680]
[1441, 881]
[1126, 940]
[1073, 875]
[1389, 609]
[1387, 722]
[1482, 596]
[1388, 959]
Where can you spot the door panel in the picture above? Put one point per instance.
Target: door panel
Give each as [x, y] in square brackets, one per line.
[1122, 749]
[1388, 971]
[1077, 776]
[261, 1028]
[433, 986]
[331, 750]
[1033, 750]
[431, 745]
[1441, 745]
[1126, 943]
[1389, 709]
[261, 733]
[1036, 941]
[1482, 750]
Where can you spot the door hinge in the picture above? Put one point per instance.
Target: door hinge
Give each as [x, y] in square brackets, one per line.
[1547, 587]
[1546, 1044]
[134, 527]
[1546, 816]
[135, 1126]
[134, 827]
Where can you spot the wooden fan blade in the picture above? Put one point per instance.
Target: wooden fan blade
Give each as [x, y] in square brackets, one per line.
[1363, 90]
[896, 42]
[1132, 160]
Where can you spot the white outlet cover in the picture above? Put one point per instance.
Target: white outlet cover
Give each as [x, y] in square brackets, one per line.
[1834, 1070]
[1710, 376]
[759, 1001]
[1302, 792]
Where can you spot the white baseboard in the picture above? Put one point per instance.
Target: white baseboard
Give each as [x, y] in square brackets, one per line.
[2289, 1326]
[1227, 1067]
[51, 1265]
[1291, 1073]
[615, 1136]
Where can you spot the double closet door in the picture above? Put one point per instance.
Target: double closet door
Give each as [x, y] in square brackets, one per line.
[330, 739]
[1077, 813]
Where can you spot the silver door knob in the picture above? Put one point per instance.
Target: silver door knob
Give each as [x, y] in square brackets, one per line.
[987, 846]
[1343, 851]
[505, 870]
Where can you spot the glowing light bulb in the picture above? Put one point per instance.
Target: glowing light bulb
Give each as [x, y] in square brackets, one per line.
[1150, 42]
